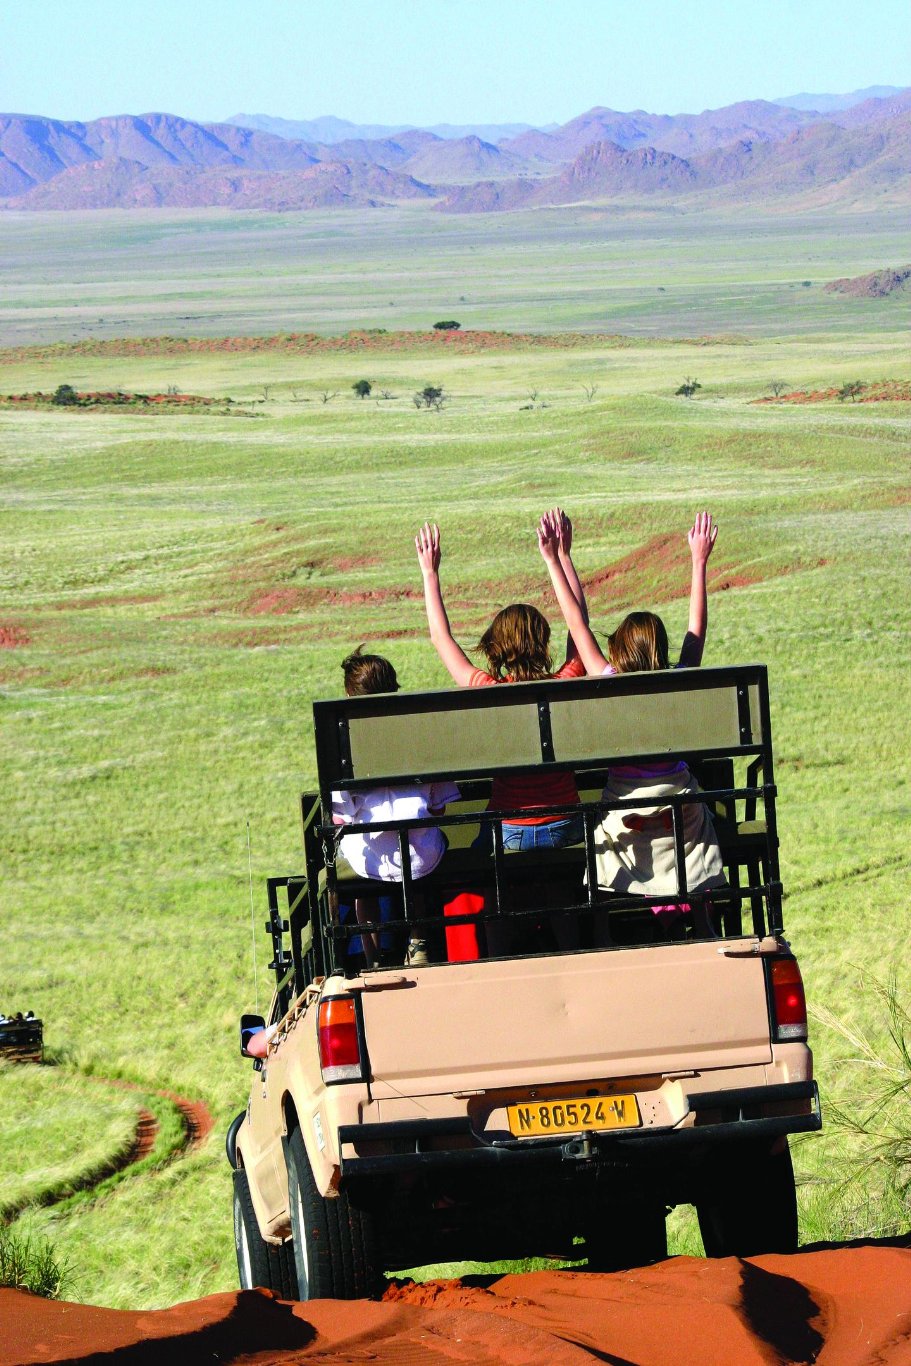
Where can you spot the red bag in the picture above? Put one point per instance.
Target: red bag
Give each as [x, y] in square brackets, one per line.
[462, 945]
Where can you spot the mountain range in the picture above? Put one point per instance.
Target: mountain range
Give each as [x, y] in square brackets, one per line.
[757, 149]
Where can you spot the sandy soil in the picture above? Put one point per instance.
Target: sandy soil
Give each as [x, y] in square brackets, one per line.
[838, 1306]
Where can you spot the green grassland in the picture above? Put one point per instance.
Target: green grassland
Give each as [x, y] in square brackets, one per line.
[178, 587]
[646, 271]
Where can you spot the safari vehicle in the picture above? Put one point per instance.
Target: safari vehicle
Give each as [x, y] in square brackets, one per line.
[21, 1038]
[513, 1097]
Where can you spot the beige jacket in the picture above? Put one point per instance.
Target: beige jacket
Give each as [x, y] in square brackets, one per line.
[634, 848]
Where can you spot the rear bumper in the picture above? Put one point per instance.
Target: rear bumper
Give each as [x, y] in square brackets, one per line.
[737, 1116]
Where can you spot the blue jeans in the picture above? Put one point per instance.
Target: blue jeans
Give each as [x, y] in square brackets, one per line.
[550, 835]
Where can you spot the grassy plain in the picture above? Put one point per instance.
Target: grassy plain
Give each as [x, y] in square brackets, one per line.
[645, 271]
[178, 587]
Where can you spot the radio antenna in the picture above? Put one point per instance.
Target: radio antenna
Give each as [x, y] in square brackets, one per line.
[252, 916]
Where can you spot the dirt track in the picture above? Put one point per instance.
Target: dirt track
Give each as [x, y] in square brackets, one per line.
[197, 1124]
[839, 1306]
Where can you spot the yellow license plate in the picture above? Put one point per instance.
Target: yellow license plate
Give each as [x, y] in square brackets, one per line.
[539, 1118]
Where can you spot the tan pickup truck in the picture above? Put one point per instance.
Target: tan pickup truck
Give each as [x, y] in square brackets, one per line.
[567, 1065]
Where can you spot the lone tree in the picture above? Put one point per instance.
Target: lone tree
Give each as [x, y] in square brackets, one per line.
[850, 389]
[688, 387]
[430, 396]
[448, 325]
[362, 388]
[777, 386]
[65, 394]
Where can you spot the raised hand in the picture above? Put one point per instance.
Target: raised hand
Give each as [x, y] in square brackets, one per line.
[548, 536]
[427, 544]
[701, 537]
[566, 532]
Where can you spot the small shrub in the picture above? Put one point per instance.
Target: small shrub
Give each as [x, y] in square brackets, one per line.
[65, 395]
[362, 388]
[448, 325]
[30, 1264]
[688, 387]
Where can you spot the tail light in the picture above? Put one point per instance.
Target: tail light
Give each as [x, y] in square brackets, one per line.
[339, 1040]
[789, 1005]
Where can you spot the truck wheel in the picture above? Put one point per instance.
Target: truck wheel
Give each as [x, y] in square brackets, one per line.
[259, 1262]
[335, 1246]
[751, 1204]
[626, 1235]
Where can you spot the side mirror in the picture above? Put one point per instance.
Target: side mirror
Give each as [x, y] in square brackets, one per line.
[249, 1025]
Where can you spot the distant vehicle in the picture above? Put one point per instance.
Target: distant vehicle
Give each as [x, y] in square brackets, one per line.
[536, 1099]
[21, 1038]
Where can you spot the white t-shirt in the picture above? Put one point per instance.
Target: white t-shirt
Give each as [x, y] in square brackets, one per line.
[378, 856]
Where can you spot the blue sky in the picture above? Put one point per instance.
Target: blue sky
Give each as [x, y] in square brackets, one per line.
[432, 61]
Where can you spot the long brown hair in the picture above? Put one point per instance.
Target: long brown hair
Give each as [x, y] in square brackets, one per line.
[516, 644]
[639, 643]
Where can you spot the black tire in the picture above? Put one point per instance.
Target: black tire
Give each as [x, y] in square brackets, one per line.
[750, 1204]
[335, 1245]
[621, 1236]
[259, 1262]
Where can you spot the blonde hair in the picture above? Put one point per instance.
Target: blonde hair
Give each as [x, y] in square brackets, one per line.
[516, 644]
[639, 644]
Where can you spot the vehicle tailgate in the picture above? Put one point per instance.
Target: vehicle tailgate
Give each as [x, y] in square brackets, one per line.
[666, 1008]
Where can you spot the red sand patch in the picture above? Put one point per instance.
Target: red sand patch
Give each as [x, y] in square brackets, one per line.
[656, 572]
[659, 571]
[842, 1306]
[348, 562]
[108, 399]
[281, 601]
[885, 391]
[106, 600]
[311, 343]
[278, 602]
[11, 636]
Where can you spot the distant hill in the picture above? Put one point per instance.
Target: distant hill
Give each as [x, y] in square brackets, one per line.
[330, 130]
[877, 285]
[874, 110]
[123, 184]
[463, 160]
[830, 104]
[819, 158]
[752, 150]
[34, 150]
[682, 134]
[391, 151]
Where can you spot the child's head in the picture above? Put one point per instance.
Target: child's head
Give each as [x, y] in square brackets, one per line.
[639, 643]
[516, 643]
[368, 674]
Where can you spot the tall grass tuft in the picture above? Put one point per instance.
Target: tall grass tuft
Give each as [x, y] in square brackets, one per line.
[877, 1119]
[31, 1264]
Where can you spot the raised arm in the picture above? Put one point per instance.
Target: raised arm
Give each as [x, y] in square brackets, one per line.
[574, 612]
[564, 527]
[701, 538]
[453, 657]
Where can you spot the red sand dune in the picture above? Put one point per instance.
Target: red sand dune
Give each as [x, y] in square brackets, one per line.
[839, 1307]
